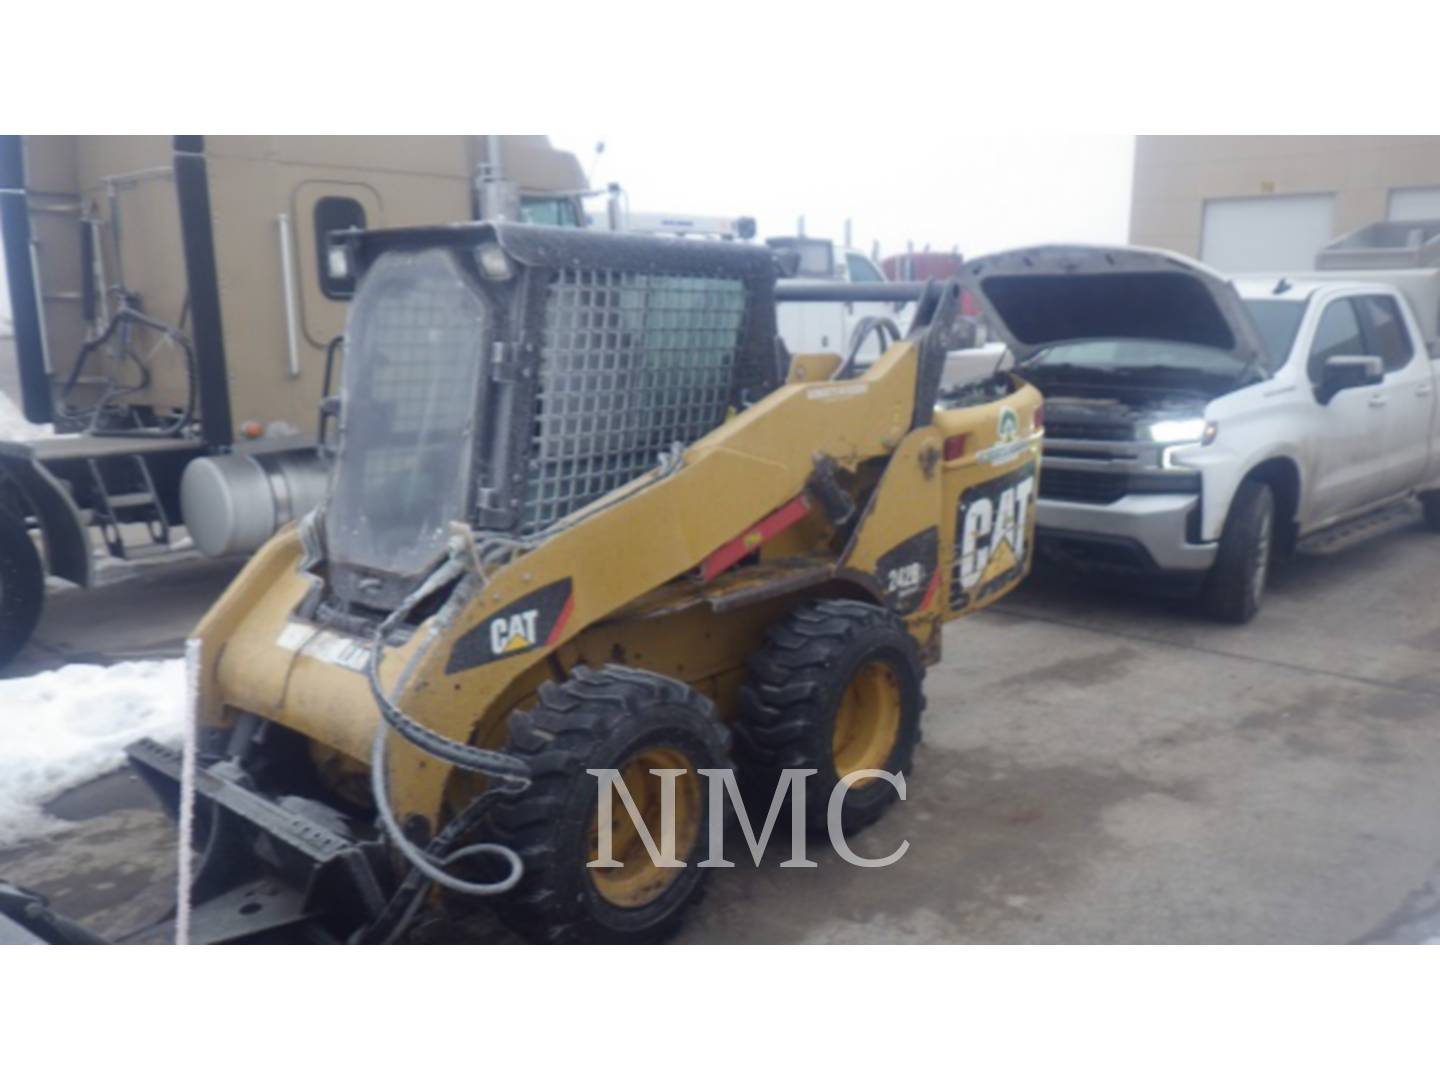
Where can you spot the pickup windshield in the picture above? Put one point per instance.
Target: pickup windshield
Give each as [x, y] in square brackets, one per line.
[1277, 321]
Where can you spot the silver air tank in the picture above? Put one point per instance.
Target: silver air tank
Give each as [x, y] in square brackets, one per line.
[233, 503]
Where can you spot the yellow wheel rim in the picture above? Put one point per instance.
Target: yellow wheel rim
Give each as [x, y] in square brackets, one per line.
[867, 723]
[639, 880]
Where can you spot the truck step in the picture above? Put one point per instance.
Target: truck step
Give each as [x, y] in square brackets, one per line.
[138, 498]
[1352, 533]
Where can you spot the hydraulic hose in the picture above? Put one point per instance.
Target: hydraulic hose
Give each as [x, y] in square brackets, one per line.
[512, 773]
[130, 314]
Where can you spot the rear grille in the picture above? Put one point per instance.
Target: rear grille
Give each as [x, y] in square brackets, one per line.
[631, 364]
[1072, 485]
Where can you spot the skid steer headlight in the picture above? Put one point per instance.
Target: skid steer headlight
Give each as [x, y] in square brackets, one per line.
[1184, 431]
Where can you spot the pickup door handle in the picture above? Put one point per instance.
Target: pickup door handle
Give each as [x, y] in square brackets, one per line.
[1423, 390]
[1377, 401]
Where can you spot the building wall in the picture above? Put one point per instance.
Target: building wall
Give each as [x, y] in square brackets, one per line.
[1176, 174]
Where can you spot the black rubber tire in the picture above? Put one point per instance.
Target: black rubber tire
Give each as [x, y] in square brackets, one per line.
[1430, 504]
[597, 720]
[22, 587]
[1235, 587]
[788, 704]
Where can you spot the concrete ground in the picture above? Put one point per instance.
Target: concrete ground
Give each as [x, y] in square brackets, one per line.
[1098, 766]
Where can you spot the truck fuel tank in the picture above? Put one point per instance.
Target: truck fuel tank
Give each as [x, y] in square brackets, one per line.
[233, 503]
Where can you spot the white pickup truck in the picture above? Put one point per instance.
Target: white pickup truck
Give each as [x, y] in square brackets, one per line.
[1196, 426]
[845, 327]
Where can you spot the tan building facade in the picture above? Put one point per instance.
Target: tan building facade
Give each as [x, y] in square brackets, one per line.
[1268, 202]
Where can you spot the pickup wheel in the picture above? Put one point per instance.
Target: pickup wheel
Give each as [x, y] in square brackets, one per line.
[1430, 503]
[1235, 585]
[22, 586]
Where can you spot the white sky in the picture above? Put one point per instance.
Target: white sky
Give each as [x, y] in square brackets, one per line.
[983, 193]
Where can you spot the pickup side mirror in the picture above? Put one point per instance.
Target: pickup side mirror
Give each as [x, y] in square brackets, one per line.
[1348, 372]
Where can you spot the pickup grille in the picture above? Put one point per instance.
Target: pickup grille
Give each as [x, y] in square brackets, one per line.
[1073, 485]
[1104, 430]
[1100, 487]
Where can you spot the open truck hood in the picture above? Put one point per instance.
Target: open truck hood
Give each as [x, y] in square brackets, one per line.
[1042, 296]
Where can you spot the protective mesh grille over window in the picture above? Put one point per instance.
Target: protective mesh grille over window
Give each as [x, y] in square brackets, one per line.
[416, 341]
[631, 364]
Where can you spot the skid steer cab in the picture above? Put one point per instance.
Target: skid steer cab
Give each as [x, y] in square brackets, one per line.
[591, 528]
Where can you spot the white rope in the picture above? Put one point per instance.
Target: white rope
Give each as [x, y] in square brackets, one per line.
[187, 791]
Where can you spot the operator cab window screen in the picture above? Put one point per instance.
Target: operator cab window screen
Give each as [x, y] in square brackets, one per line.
[333, 212]
[633, 364]
[415, 342]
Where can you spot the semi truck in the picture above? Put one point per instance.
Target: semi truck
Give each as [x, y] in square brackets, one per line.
[177, 307]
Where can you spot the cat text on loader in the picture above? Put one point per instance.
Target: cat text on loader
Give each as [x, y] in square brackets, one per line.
[586, 514]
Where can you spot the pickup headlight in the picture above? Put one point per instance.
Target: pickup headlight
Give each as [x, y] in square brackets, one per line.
[1199, 431]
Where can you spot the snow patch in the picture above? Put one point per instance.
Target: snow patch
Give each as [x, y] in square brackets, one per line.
[15, 428]
[62, 728]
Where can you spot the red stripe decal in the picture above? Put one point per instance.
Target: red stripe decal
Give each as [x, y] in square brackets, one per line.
[561, 620]
[931, 590]
[732, 551]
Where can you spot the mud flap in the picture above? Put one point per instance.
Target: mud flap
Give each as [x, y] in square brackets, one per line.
[62, 529]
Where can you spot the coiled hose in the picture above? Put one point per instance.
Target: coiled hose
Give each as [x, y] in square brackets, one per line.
[512, 773]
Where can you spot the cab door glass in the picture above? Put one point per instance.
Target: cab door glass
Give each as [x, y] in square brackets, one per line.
[1385, 329]
[1337, 335]
[862, 270]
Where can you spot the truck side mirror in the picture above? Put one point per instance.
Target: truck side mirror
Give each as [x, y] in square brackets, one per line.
[1348, 372]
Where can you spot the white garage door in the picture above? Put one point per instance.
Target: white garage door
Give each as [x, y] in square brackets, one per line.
[1280, 232]
[1414, 204]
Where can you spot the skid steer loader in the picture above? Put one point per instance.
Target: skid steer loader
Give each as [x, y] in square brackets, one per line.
[585, 515]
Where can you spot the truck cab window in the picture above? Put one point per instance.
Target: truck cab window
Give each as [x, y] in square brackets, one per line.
[331, 213]
[1385, 330]
[543, 211]
[1337, 335]
[862, 269]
